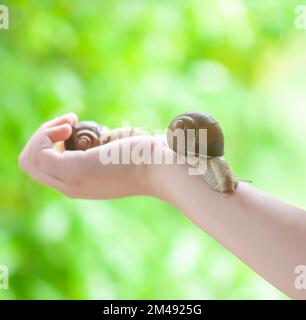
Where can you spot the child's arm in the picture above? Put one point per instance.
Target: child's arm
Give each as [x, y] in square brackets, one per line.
[265, 233]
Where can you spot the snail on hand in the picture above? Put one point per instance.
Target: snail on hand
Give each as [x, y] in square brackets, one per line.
[209, 163]
[86, 135]
[89, 134]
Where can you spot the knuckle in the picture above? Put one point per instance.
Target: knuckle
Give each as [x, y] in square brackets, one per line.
[43, 126]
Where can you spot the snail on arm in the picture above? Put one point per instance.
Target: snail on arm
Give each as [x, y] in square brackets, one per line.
[211, 164]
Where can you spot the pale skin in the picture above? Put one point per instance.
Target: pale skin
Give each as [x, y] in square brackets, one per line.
[265, 233]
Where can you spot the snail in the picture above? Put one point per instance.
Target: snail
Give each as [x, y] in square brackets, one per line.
[86, 135]
[89, 134]
[210, 162]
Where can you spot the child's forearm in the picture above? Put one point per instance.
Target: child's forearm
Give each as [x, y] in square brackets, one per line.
[265, 233]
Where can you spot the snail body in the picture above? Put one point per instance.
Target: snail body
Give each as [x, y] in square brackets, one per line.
[210, 163]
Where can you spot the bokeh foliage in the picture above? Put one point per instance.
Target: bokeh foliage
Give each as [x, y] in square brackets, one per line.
[144, 61]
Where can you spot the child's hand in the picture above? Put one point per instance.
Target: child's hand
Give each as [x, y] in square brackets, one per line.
[81, 174]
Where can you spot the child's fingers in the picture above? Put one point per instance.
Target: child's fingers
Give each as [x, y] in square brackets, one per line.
[59, 133]
[70, 118]
[39, 153]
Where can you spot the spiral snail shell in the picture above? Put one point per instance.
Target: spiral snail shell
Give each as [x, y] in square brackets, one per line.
[85, 135]
[196, 121]
[211, 163]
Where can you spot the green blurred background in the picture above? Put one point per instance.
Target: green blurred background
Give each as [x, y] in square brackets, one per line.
[145, 61]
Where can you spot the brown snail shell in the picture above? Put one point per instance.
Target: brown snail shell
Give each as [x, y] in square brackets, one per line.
[196, 121]
[212, 165]
[85, 135]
